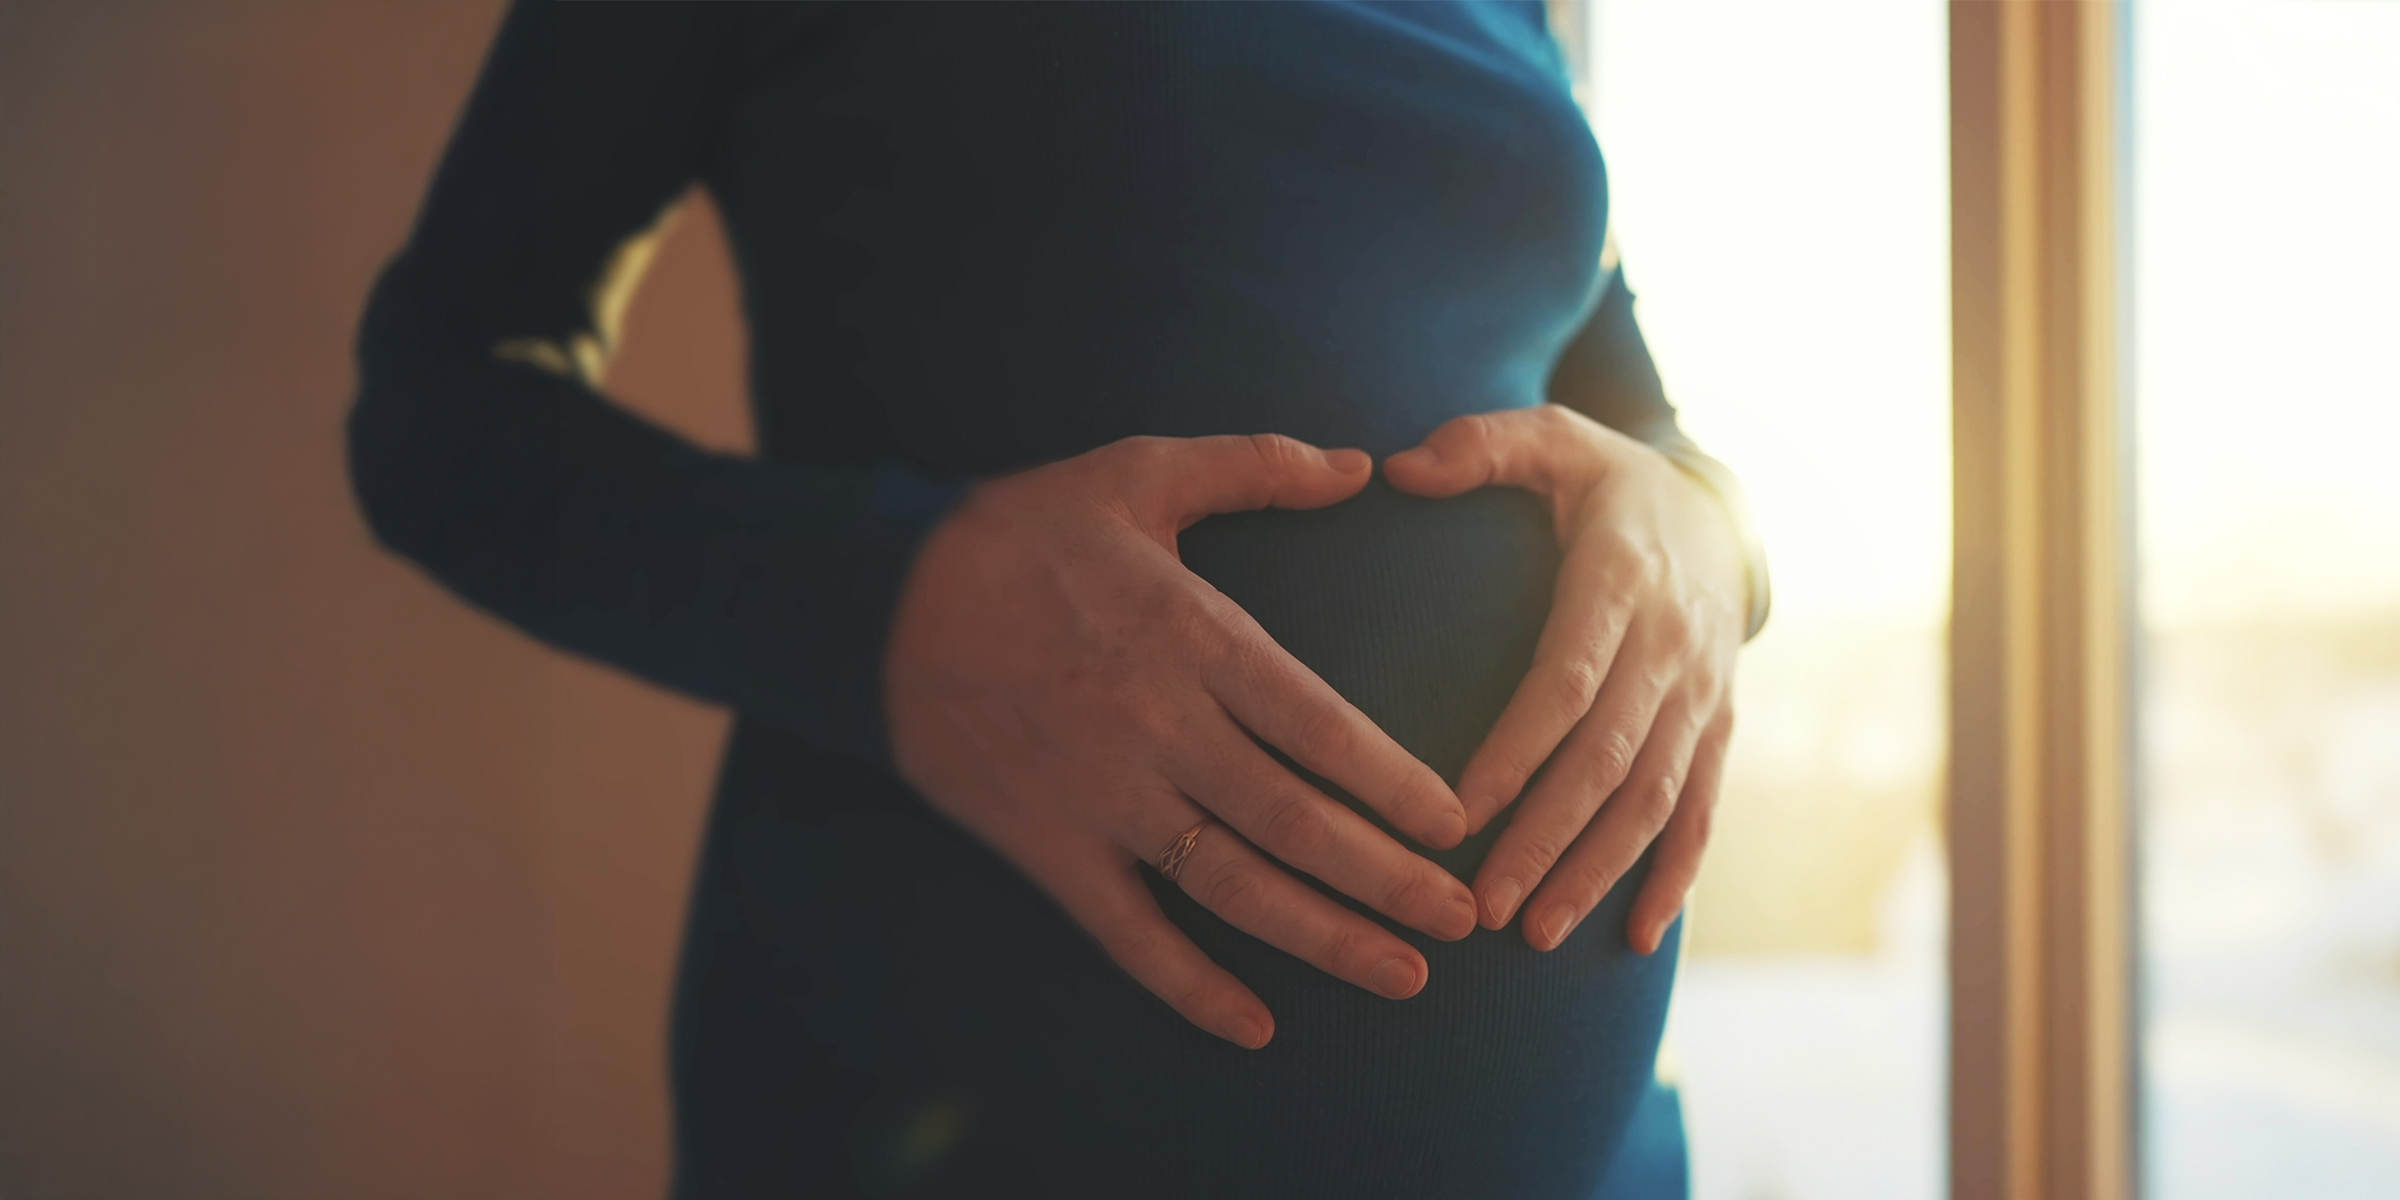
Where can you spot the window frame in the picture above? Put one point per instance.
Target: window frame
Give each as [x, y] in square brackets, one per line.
[2042, 976]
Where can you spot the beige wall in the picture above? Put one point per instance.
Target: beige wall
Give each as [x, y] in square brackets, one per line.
[313, 882]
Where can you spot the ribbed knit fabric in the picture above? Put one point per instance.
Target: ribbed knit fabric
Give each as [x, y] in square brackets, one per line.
[911, 974]
[973, 238]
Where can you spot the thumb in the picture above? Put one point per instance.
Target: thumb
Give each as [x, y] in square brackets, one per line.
[1518, 447]
[1197, 477]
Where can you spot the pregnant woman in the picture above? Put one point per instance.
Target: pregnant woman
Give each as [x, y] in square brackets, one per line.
[1116, 745]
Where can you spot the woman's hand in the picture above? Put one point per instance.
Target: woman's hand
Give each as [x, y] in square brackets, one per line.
[1061, 686]
[1629, 700]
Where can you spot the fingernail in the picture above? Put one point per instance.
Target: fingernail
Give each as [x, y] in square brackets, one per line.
[1557, 924]
[1395, 978]
[1347, 461]
[1502, 901]
[1246, 1032]
[1458, 918]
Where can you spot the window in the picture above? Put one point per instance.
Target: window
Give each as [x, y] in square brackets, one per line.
[1779, 182]
[2266, 177]
[2202, 192]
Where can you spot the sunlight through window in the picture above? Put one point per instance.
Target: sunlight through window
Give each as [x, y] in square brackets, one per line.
[2266, 158]
[1779, 175]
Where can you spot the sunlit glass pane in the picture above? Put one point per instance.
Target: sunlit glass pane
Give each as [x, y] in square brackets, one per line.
[2266, 159]
[1780, 179]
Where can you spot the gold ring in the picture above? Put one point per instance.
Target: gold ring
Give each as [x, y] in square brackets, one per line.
[1171, 859]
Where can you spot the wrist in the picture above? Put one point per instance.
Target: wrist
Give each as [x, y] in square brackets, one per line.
[1717, 481]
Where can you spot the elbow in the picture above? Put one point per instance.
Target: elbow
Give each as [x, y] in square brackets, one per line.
[391, 441]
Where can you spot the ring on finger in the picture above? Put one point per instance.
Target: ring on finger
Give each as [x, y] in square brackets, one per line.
[1179, 851]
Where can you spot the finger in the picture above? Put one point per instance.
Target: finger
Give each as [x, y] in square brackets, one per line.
[1103, 892]
[1631, 819]
[1513, 448]
[1581, 775]
[1289, 706]
[1231, 777]
[1577, 654]
[1677, 866]
[1177, 481]
[1232, 879]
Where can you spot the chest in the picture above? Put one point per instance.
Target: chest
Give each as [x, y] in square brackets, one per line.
[1160, 218]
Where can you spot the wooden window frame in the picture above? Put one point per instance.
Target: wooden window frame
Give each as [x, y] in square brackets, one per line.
[2042, 1092]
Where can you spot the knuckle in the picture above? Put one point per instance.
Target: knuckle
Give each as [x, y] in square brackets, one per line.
[1195, 995]
[1337, 950]
[1231, 891]
[1588, 884]
[1154, 723]
[1420, 789]
[1405, 893]
[1141, 450]
[1298, 827]
[1706, 685]
[1674, 630]
[1612, 758]
[1701, 823]
[1275, 451]
[1473, 431]
[1651, 566]
[1658, 679]
[1321, 733]
[1545, 842]
[1654, 804]
[1278, 461]
[1129, 942]
[1614, 614]
[1579, 679]
[1517, 765]
[1192, 625]
[1196, 635]
[1638, 566]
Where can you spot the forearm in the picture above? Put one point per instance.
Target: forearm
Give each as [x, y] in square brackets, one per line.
[766, 586]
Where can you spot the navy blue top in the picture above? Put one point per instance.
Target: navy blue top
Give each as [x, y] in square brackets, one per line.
[970, 239]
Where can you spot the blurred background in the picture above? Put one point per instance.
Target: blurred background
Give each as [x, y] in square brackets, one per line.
[2266, 338]
[315, 883]
[1780, 176]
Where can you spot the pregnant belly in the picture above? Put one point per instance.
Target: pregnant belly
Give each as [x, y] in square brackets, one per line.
[1511, 1074]
[1423, 613]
